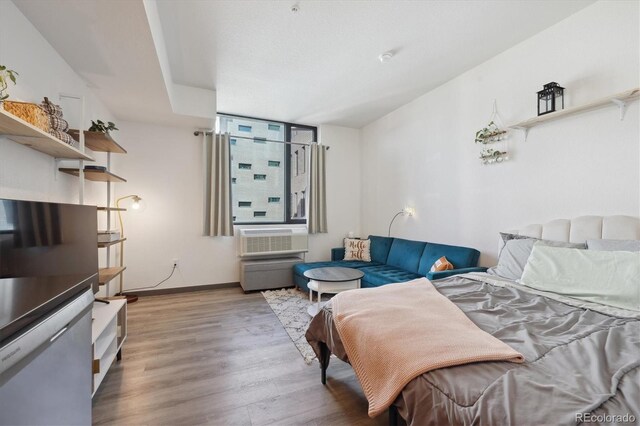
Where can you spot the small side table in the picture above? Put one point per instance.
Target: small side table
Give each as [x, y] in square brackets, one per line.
[331, 280]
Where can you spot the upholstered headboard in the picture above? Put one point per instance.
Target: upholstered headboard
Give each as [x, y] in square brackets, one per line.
[584, 228]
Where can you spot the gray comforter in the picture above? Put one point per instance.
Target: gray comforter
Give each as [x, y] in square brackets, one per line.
[581, 365]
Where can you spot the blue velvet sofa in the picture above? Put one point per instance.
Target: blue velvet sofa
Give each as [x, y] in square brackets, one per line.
[396, 260]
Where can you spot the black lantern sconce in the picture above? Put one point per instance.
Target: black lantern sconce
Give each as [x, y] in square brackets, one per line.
[550, 98]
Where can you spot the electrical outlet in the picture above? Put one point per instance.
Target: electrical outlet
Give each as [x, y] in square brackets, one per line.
[175, 263]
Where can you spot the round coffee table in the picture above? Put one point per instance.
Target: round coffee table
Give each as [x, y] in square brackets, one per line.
[330, 280]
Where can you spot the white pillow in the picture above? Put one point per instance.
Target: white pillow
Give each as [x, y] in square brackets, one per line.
[605, 277]
[355, 249]
[614, 245]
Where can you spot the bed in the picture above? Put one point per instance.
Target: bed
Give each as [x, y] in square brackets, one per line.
[582, 358]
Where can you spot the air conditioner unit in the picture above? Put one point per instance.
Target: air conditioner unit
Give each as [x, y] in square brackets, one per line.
[273, 241]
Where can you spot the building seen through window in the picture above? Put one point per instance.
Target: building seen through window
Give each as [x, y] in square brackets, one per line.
[268, 186]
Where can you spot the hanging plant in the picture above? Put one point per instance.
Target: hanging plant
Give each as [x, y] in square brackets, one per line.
[490, 156]
[491, 133]
[6, 75]
[100, 126]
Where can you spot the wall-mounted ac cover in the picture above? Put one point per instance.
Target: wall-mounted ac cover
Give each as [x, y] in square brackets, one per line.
[261, 242]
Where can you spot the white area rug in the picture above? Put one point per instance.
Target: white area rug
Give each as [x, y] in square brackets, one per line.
[290, 306]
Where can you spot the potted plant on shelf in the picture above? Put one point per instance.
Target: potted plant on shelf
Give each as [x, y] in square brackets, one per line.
[100, 126]
[6, 75]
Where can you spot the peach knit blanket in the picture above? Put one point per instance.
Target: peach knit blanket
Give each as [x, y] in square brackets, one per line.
[393, 334]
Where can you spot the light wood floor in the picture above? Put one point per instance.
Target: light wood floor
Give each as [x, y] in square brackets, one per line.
[221, 357]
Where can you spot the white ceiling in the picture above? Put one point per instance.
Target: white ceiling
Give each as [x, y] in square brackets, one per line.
[316, 66]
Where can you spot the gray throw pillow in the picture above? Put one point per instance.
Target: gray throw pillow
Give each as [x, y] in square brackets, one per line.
[513, 258]
[515, 253]
[614, 245]
[506, 237]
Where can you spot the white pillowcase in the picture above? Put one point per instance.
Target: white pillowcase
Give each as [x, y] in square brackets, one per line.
[355, 249]
[614, 245]
[606, 277]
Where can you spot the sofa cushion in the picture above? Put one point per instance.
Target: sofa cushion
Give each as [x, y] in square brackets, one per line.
[356, 249]
[441, 264]
[385, 274]
[405, 254]
[460, 257]
[380, 248]
[300, 268]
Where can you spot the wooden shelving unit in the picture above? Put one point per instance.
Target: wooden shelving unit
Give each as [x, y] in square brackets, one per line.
[94, 175]
[98, 141]
[26, 134]
[110, 321]
[620, 100]
[110, 243]
[107, 274]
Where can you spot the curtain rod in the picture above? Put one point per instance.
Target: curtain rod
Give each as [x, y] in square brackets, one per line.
[200, 132]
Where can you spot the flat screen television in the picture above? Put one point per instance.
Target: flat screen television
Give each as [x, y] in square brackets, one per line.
[40, 240]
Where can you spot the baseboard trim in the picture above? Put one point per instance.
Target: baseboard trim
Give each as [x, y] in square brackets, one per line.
[188, 289]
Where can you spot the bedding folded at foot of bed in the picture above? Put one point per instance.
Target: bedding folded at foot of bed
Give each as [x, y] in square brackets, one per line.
[396, 333]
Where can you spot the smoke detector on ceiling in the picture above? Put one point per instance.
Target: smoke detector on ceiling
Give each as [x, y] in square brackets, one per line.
[385, 57]
[295, 8]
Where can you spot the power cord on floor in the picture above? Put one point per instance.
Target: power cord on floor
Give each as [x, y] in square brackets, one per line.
[154, 286]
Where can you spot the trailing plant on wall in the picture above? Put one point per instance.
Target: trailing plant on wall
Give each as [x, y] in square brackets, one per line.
[491, 133]
[100, 126]
[490, 156]
[6, 75]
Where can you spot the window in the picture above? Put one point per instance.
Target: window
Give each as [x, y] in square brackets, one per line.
[272, 181]
[233, 141]
[233, 180]
[244, 203]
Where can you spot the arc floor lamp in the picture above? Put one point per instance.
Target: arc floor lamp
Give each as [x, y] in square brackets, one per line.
[131, 298]
[407, 211]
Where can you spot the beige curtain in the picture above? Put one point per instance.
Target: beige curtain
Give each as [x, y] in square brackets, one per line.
[317, 190]
[218, 219]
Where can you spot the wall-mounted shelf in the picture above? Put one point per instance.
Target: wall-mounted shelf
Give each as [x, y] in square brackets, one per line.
[94, 175]
[620, 100]
[26, 134]
[98, 141]
[107, 274]
[110, 243]
[111, 209]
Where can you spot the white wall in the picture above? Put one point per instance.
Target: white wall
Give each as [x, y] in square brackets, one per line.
[164, 166]
[423, 154]
[25, 173]
[343, 190]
